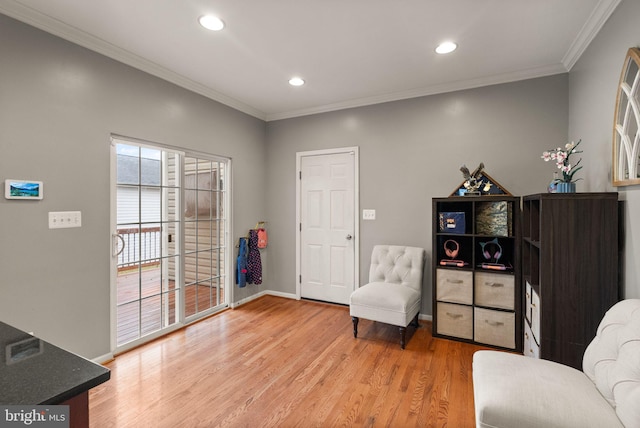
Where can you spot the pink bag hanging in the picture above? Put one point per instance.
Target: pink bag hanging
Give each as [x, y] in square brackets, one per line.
[262, 235]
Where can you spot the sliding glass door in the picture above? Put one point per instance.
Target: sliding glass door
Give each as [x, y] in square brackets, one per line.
[169, 241]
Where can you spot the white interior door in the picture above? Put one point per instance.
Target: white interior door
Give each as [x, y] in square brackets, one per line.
[327, 232]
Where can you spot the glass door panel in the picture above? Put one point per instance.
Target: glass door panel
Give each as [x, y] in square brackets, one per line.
[204, 202]
[147, 194]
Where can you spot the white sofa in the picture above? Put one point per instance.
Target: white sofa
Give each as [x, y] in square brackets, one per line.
[516, 391]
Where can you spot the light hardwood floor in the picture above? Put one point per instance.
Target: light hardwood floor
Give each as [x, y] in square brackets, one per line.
[277, 362]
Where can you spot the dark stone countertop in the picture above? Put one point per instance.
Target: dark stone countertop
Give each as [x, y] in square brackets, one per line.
[34, 372]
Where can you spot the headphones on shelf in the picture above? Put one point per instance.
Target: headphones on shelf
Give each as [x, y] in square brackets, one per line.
[451, 248]
[487, 246]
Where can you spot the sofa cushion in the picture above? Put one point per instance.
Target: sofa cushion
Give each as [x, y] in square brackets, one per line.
[389, 303]
[514, 391]
[391, 297]
[612, 360]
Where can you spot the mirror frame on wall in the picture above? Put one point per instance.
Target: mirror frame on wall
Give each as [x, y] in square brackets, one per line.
[626, 123]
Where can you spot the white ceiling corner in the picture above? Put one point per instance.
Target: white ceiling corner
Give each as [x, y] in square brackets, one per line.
[591, 28]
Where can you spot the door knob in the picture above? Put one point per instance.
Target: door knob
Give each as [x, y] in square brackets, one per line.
[349, 237]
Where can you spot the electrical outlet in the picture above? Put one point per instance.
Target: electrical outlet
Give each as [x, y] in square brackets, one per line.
[368, 214]
[65, 219]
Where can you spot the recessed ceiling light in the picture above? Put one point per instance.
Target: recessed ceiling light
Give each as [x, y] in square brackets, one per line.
[211, 22]
[446, 47]
[296, 81]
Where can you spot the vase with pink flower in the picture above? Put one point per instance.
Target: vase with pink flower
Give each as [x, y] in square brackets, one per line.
[561, 157]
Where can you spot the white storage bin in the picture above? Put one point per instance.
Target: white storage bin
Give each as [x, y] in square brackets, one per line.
[454, 286]
[495, 290]
[495, 327]
[455, 320]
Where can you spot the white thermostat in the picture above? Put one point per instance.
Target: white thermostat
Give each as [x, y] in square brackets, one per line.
[23, 189]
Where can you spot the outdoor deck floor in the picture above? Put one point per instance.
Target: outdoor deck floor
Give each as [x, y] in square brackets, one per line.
[144, 307]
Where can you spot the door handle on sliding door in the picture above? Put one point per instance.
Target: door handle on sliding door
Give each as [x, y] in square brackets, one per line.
[115, 251]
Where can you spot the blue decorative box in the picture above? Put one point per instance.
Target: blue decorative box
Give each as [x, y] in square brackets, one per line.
[452, 222]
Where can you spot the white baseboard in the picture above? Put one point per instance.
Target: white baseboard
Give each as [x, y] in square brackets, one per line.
[282, 294]
[263, 293]
[425, 317]
[103, 358]
[247, 299]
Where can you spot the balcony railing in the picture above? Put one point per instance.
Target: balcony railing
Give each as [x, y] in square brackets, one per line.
[141, 245]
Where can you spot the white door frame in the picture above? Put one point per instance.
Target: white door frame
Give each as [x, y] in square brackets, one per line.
[356, 211]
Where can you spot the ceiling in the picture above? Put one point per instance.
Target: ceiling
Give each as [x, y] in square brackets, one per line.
[350, 52]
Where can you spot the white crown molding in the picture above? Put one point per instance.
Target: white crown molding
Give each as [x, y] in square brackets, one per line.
[531, 73]
[18, 11]
[590, 29]
[51, 25]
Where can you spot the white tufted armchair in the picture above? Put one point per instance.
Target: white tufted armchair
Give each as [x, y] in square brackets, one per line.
[516, 391]
[394, 292]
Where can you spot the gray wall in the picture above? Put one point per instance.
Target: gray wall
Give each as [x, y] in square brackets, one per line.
[58, 105]
[410, 152]
[593, 85]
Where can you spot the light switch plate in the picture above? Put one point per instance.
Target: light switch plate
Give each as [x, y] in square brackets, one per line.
[368, 214]
[65, 219]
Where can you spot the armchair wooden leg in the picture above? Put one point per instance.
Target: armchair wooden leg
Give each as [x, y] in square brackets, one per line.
[403, 335]
[415, 322]
[355, 326]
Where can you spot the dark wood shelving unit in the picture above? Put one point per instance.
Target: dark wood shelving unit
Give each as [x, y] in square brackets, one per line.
[473, 303]
[569, 271]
